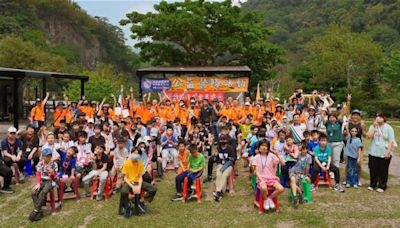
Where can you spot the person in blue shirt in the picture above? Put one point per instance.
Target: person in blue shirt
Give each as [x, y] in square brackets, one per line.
[314, 142]
[353, 151]
[323, 161]
[68, 165]
[11, 148]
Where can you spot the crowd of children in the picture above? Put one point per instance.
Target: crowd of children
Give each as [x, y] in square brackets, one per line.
[134, 143]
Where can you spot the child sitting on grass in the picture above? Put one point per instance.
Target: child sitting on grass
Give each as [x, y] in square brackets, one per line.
[46, 175]
[353, 151]
[265, 165]
[196, 166]
[299, 171]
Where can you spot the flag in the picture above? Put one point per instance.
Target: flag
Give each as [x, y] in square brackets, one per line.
[258, 96]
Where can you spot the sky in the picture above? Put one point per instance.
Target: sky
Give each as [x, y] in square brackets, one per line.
[115, 10]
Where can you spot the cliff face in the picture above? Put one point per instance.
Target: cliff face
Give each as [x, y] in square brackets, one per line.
[63, 32]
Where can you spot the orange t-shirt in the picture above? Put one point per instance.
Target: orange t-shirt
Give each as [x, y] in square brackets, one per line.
[184, 158]
[37, 113]
[184, 116]
[59, 114]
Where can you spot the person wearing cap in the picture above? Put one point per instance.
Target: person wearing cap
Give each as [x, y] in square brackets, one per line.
[90, 127]
[313, 120]
[38, 113]
[356, 122]
[46, 176]
[11, 148]
[100, 171]
[58, 114]
[225, 159]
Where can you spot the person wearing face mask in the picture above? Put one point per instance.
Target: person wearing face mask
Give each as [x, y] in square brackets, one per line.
[133, 170]
[143, 151]
[380, 152]
[226, 160]
[97, 139]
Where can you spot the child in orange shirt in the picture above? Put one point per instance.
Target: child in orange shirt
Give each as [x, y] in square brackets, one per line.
[183, 157]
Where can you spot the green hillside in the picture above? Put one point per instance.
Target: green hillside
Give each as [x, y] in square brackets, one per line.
[322, 36]
[56, 35]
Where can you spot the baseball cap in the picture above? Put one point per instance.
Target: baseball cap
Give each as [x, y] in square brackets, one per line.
[153, 132]
[90, 120]
[12, 130]
[38, 100]
[47, 152]
[356, 111]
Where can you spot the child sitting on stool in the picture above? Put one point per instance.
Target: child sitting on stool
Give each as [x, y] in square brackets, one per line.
[133, 170]
[46, 176]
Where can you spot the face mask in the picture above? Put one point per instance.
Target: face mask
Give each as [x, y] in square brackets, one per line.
[134, 157]
[143, 150]
[281, 140]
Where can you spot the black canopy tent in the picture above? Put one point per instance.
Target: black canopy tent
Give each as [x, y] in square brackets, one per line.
[199, 71]
[17, 75]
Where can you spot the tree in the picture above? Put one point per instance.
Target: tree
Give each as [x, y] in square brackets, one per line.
[391, 71]
[342, 59]
[204, 33]
[102, 83]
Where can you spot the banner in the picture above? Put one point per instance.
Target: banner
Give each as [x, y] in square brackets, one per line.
[223, 84]
[199, 95]
[155, 85]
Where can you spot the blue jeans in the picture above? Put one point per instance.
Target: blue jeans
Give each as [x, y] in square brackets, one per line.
[352, 171]
[181, 177]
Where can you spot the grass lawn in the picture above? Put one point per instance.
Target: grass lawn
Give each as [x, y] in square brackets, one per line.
[329, 209]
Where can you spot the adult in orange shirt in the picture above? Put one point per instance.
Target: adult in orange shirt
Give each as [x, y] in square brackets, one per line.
[87, 109]
[38, 114]
[279, 113]
[58, 114]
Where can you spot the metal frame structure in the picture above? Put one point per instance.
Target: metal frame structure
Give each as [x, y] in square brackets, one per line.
[16, 75]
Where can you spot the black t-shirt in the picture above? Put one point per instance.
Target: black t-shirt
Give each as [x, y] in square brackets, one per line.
[100, 162]
[226, 154]
[59, 131]
[28, 143]
[94, 141]
[205, 114]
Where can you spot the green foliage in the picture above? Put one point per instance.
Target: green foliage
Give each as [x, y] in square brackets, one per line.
[16, 53]
[102, 83]
[204, 33]
[391, 71]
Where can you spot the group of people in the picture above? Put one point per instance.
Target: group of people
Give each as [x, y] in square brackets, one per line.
[136, 141]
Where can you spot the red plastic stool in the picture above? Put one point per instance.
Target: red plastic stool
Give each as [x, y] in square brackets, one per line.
[76, 194]
[198, 189]
[326, 177]
[259, 200]
[108, 187]
[55, 204]
[230, 182]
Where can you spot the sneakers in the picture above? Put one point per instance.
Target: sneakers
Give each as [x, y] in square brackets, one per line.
[99, 197]
[332, 175]
[313, 188]
[339, 188]
[7, 190]
[359, 184]
[177, 197]
[348, 185]
[271, 203]
[142, 208]
[35, 216]
[217, 196]
[266, 204]
[380, 190]
[21, 177]
[295, 201]
[370, 188]
[344, 183]
[355, 186]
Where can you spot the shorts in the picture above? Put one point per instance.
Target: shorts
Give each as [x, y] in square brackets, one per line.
[271, 181]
